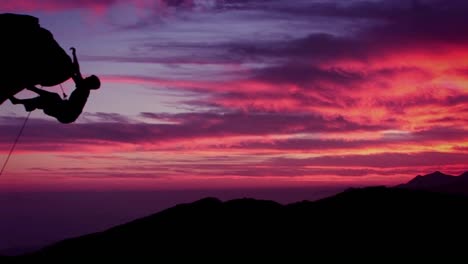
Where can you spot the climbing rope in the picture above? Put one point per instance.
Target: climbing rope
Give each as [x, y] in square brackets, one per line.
[14, 144]
[20, 133]
[63, 92]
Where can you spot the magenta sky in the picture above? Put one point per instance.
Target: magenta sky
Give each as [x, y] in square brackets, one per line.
[249, 93]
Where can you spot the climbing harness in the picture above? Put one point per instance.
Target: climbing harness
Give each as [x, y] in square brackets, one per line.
[14, 144]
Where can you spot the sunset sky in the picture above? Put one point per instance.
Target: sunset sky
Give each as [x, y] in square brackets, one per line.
[249, 93]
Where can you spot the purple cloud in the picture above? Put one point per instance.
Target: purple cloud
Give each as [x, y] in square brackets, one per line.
[381, 160]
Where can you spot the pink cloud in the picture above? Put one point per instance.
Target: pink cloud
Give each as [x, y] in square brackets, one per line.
[96, 6]
[388, 98]
[55, 5]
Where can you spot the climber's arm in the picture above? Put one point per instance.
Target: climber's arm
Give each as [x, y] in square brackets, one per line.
[76, 71]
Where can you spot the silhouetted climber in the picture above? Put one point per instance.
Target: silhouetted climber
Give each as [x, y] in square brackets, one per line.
[65, 111]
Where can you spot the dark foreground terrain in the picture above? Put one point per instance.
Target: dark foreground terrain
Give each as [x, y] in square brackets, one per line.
[374, 220]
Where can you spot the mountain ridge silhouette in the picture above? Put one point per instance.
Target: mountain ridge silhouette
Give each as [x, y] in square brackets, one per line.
[378, 219]
[370, 220]
[439, 182]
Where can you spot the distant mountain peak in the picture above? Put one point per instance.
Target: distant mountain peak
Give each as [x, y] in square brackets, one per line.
[439, 182]
[431, 177]
[436, 173]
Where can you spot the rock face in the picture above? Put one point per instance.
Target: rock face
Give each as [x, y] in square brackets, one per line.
[29, 55]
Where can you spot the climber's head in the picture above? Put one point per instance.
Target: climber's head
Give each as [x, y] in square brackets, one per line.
[92, 82]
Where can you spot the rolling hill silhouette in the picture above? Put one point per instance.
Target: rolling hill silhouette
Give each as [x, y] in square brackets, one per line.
[439, 182]
[373, 220]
